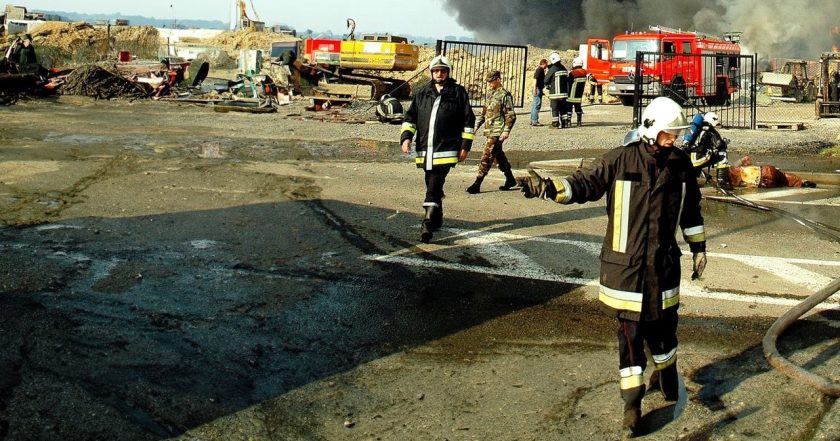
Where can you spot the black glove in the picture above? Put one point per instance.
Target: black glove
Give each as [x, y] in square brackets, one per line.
[699, 259]
[535, 186]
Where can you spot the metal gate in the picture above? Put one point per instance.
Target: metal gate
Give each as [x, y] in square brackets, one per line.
[723, 83]
[472, 61]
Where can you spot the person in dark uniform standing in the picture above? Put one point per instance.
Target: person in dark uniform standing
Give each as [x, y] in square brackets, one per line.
[652, 192]
[498, 117]
[557, 82]
[25, 58]
[577, 84]
[440, 120]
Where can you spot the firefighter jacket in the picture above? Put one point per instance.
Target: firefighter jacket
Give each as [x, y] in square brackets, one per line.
[557, 81]
[441, 123]
[497, 115]
[648, 199]
[577, 84]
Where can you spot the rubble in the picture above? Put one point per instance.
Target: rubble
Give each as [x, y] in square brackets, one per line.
[99, 83]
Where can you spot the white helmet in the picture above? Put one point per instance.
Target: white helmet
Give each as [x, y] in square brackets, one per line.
[577, 62]
[711, 119]
[553, 57]
[440, 62]
[662, 114]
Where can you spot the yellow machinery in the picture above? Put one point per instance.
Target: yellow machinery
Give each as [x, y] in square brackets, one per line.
[246, 22]
[379, 52]
[828, 98]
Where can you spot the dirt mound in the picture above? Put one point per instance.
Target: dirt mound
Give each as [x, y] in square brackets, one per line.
[232, 41]
[79, 42]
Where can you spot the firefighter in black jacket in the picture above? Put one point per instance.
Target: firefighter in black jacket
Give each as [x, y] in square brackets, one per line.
[651, 191]
[441, 120]
[557, 82]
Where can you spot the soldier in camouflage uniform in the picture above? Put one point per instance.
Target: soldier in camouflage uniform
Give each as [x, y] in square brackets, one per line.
[498, 118]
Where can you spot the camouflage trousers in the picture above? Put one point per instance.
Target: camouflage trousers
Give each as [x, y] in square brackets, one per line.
[493, 153]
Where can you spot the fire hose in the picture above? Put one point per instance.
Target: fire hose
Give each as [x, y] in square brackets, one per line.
[825, 385]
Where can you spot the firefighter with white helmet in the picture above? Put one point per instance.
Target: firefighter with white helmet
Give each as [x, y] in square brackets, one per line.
[652, 191]
[440, 120]
[557, 83]
[577, 87]
[662, 115]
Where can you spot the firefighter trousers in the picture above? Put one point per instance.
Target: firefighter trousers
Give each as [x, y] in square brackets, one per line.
[661, 338]
[435, 179]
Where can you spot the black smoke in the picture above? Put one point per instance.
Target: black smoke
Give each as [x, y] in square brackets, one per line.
[771, 28]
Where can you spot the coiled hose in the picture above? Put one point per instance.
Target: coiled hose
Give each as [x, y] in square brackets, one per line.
[825, 385]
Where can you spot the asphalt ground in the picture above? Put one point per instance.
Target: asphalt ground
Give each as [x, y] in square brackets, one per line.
[172, 272]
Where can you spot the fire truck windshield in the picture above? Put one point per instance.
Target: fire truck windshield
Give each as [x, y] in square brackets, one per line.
[625, 50]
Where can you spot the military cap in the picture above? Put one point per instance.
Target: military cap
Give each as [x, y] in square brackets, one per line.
[493, 75]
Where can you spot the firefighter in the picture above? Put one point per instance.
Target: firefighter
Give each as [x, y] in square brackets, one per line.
[440, 120]
[25, 56]
[651, 190]
[557, 82]
[498, 118]
[577, 86]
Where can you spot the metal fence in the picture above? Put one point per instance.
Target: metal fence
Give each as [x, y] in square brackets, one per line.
[723, 83]
[471, 62]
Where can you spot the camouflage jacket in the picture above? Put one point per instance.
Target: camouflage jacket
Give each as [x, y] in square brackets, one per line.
[497, 115]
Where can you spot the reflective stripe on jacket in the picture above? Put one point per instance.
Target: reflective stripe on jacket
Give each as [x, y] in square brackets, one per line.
[440, 123]
[640, 258]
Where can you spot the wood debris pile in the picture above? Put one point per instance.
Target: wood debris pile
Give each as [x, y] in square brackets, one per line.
[99, 83]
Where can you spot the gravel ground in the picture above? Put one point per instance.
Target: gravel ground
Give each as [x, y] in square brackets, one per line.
[604, 126]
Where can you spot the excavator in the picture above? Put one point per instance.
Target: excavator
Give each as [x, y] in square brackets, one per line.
[828, 98]
[245, 22]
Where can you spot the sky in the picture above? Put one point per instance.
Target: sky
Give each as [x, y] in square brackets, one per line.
[418, 18]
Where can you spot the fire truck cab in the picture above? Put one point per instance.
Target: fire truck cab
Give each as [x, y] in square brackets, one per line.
[687, 65]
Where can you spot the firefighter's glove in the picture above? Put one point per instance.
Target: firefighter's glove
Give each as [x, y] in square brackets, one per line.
[699, 265]
[535, 186]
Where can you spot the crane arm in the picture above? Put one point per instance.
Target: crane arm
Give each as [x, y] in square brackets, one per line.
[255, 11]
[242, 13]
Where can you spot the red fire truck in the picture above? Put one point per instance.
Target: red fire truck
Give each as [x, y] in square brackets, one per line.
[687, 64]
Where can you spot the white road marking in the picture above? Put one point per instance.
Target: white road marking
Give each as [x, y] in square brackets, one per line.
[509, 262]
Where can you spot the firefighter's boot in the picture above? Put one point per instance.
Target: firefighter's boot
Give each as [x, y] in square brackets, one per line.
[426, 228]
[556, 123]
[437, 218]
[632, 410]
[475, 188]
[579, 118]
[510, 181]
[567, 120]
[669, 380]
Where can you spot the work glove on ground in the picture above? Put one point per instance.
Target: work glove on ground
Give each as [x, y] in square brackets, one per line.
[699, 259]
[535, 186]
